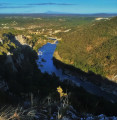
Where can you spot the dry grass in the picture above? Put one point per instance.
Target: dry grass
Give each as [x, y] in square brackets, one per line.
[12, 113]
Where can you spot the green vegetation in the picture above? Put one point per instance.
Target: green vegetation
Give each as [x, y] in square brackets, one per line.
[83, 47]
[91, 48]
[44, 21]
[38, 29]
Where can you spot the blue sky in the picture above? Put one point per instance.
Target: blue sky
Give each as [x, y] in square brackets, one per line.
[64, 6]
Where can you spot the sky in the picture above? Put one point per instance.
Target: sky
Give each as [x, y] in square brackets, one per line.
[58, 6]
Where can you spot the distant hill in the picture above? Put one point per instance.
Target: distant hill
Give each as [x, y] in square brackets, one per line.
[51, 13]
[54, 12]
[83, 15]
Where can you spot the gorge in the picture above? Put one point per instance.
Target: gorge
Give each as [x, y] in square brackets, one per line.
[45, 64]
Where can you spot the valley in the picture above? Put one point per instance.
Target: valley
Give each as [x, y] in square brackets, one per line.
[40, 54]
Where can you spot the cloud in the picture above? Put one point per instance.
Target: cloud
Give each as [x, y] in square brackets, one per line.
[51, 4]
[5, 7]
[9, 5]
[13, 6]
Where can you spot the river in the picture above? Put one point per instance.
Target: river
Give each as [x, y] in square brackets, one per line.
[45, 64]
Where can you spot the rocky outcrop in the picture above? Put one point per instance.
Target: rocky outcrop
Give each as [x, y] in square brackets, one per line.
[21, 39]
[9, 60]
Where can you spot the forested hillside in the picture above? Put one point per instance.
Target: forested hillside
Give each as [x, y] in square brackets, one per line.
[85, 44]
[91, 48]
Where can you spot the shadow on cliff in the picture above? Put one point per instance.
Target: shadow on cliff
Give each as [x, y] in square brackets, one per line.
[90, 76]
[20, 71]
[17, 69]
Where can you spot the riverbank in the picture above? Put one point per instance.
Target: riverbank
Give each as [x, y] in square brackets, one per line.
[103, 83]
[81, 99]
[68, 72]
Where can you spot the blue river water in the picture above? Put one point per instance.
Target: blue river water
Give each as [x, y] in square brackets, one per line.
[45, 64]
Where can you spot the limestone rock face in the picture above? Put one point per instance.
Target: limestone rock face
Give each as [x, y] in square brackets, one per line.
[21, 39]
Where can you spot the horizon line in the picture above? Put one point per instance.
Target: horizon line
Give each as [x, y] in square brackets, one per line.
[61, 13]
